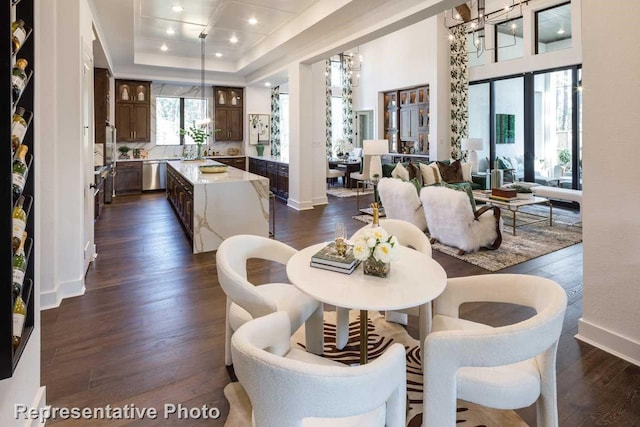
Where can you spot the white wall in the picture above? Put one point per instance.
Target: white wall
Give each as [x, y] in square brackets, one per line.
[413, 56]
[611, 229]
[257, 101]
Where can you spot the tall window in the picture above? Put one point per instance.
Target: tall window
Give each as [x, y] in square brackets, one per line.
[337, 115]
[173, 114]
[284, 126]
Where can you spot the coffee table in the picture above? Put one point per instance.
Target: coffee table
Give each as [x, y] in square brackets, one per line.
[414, 280]
[514, 207]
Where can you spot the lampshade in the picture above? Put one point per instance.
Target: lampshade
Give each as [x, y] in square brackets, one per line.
[472, 144]
[375, 147]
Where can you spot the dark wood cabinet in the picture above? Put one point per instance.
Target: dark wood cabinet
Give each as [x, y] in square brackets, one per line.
[406, 120]
[128, 179]
[133, 111]
[10, 356]
[180, 195]
[229, 113]
[278, 174]
[101, 101]
[236, 162]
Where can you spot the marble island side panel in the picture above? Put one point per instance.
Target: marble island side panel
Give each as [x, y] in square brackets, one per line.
[225, 204]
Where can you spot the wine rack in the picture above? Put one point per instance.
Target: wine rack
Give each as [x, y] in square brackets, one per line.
[9, 12]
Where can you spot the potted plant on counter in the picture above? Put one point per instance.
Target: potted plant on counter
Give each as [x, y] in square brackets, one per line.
[124, 151]
[199, 133]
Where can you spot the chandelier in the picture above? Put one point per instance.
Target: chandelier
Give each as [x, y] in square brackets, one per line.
[205, 120]
[475, 17]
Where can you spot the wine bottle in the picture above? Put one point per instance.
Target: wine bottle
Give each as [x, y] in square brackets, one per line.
[20, 170]
[18, 78]
[19, 267]
[19, 223]
[18, 128]
[19, 315]
[18, 34]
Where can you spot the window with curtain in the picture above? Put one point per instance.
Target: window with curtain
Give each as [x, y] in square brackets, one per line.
[173, 114]
[284, 125]
[337, 117]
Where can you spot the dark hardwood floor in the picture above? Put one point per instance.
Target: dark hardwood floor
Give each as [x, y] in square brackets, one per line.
[150, 328]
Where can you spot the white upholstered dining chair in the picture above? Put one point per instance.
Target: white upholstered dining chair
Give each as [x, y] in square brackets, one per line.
[246, 301]
[507, 367]
[408, 235]
[292, 388]
[335, 173]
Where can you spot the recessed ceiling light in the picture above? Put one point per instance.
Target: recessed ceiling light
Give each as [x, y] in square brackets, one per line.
[253, 21]
[267, 84]
[170, 31]
[164, 47]
[218, 55]
[177, 8]
[561, 31]
[233, 39]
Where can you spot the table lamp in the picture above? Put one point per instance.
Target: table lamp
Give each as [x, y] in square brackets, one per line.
[472, 144]
[375, 148]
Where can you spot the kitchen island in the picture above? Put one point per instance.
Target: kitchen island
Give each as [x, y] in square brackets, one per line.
[214, 206]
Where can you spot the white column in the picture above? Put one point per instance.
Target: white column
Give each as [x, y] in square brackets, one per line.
[611, 229]
[300, 139]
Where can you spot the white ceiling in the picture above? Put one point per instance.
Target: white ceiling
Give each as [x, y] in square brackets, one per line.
[132, 32]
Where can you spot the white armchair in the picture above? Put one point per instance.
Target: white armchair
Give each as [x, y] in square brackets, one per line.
[245, 301]
[335, 173]
[400, 200]
[507, 367]
[453, 222]
[287, 386]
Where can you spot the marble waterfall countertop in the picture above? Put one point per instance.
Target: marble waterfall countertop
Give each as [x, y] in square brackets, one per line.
[189, 169]
[224, 204]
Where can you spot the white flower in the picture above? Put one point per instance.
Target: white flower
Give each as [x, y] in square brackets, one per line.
[371, 242]
[393, 240]
[380, 234]
[360, 250]
[382, 252]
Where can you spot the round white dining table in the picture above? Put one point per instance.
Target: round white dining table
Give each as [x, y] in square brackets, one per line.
[413, 280]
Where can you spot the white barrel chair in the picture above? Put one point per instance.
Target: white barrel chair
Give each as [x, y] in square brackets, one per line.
[507, 367]
[293, 388]
[246, 301]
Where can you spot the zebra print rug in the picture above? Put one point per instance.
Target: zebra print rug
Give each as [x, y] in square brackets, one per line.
[381, 335]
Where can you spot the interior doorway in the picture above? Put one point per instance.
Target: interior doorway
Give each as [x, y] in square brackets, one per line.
[364, 127]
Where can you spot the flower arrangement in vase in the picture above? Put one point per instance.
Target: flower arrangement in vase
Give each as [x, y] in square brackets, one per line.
[374, 247]
[199, 132]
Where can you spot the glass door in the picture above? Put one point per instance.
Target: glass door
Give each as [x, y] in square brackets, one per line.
[508, 122]
[553, 128]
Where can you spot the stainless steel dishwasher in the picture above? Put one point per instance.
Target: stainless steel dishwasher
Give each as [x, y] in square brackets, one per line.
[154, 175]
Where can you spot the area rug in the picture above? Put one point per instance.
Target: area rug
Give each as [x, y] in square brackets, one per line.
[531, 241]
[347, 192]
[381, 335]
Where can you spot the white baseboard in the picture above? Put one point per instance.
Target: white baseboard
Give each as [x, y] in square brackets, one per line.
[40, 401]
[52, 299]
[609, 341]
[321, 200]
[299, 206]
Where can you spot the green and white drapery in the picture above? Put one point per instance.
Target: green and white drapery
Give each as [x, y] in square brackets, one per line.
[347, 98]
[275, 121]
[459, 90]
[327, 106]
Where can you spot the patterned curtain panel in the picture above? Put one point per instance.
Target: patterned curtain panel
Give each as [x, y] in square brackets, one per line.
[327, 104]
[275, 121]
[459, 90]
[347, 99]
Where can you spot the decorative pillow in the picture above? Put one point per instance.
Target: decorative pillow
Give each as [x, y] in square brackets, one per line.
[415, 173]
[430, 174]
[452, 172]
[503, 163]
[417, 183]
[400, 172]
[387, 168]
[466, 187]
[466, 172]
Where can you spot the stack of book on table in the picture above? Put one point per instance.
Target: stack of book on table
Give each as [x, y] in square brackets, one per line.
[328, 259]
[503, 195]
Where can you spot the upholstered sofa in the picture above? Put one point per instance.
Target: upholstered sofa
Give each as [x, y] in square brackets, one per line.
[476, 182]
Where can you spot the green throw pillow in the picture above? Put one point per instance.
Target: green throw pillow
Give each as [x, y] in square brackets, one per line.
[503, 163]
[387, 168]
[417, 183]
[466, 187]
